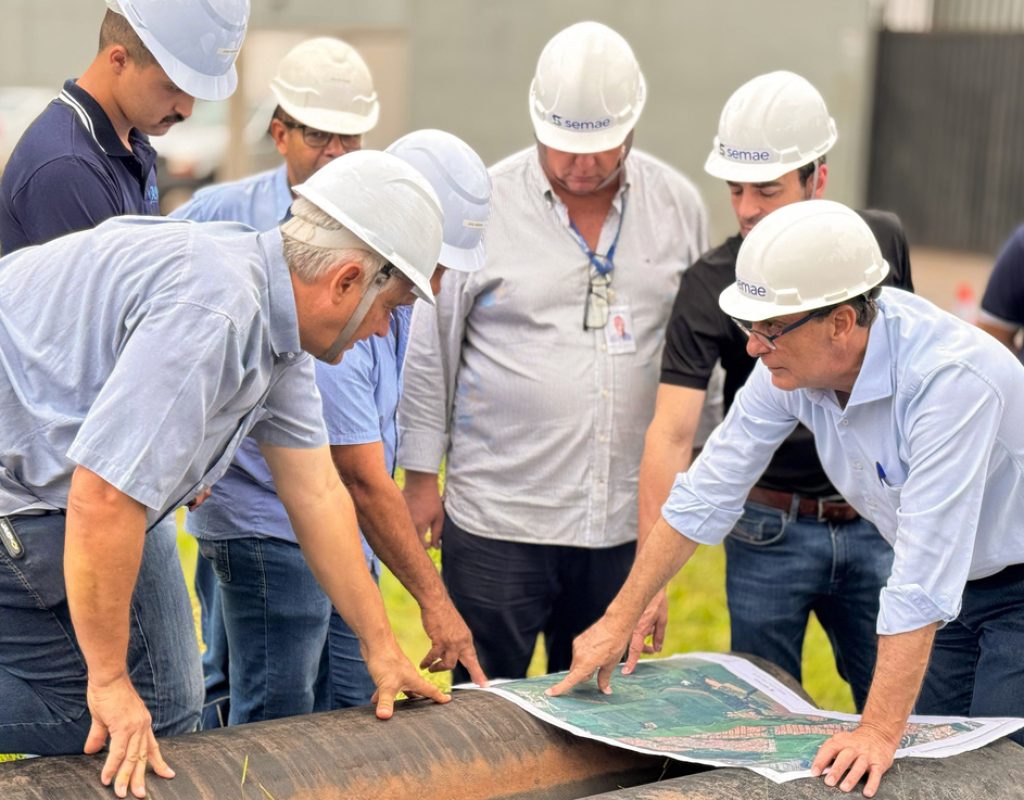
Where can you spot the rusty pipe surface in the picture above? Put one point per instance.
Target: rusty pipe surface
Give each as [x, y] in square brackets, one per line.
[477, 746]
[994, 772]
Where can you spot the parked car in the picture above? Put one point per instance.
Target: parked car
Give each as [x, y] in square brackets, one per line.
[19, 105]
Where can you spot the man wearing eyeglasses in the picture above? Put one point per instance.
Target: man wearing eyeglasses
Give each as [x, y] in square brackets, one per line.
[528, 389]
[799, 546]
[916, 417]
[326, 102]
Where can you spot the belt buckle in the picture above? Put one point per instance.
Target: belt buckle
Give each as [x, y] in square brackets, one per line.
[821, 509]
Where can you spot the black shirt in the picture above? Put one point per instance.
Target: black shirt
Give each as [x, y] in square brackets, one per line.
[700, 334]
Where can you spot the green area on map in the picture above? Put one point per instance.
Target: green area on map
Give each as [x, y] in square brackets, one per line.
[699, 710]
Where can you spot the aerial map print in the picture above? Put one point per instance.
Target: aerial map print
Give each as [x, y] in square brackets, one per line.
[722, 710]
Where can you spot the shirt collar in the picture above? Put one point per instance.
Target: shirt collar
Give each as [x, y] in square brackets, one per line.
[874, 381]
[284, 320]
[95, 120]
[282, 193]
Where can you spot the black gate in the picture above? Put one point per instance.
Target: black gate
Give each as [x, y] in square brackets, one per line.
[947, 146]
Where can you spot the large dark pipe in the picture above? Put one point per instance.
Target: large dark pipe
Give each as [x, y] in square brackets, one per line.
[478, 746]
[995, 772]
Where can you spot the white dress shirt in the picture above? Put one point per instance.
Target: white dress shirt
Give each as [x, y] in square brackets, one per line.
[542, 425]
[930, 448]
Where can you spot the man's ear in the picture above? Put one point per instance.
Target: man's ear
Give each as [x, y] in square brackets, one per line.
[117, 57]
[822, 181]
[844, 321]
[279, 132]
[344, 280]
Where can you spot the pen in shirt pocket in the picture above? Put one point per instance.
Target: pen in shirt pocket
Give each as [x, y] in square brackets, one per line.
[881, 475]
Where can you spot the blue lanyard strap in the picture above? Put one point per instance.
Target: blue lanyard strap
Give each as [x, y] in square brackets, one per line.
[602, 263]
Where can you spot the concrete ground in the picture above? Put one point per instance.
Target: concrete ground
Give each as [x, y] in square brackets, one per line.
[938, 274]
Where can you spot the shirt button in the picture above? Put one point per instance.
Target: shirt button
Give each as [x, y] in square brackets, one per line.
[844, 422]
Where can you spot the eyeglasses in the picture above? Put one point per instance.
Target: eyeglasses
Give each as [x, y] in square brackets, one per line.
[768, 339]
[318, 139]
[599, 299]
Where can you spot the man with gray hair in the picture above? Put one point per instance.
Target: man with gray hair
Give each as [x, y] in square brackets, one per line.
[193, 341]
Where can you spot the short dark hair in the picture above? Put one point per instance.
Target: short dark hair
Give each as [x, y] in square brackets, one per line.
[805, 172]
[115, 29]
[863, 306]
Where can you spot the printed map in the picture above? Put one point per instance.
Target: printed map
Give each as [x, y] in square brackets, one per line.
[721, 710]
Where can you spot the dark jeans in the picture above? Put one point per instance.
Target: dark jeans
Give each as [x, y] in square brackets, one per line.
[977, 663]
[42, 670]
[781, 566]
[509, 592]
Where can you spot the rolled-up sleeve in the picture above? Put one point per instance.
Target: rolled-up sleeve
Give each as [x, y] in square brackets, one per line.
[950, 445]
[707, 500]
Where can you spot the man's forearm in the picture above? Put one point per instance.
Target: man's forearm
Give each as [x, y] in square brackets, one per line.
[388, 527]
[104, 537]
[663, 555]
[899, 672]
[662, 461]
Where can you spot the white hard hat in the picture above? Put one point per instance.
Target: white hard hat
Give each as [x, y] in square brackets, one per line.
[801, 257]
[387, 204]
[771, 125]
[588, 91]
[462, 184]
[325, 84]
[194, 41]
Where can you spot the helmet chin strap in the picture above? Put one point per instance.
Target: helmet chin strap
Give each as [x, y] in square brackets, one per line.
[612, 177]
[331, 354]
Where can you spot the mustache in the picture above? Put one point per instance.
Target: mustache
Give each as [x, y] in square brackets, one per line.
[172, 119]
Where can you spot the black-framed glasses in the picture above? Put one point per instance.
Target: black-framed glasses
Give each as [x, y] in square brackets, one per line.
[599, 300]
[318, 139]
[768, 339]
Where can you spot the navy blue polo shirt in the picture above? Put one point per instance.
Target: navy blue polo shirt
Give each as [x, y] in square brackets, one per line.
[70, 171]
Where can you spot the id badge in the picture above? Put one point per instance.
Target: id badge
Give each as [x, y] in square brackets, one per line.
[618, 333]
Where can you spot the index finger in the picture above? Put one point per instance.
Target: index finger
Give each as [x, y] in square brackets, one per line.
[425, 688]
[577, 675]
[472, 665]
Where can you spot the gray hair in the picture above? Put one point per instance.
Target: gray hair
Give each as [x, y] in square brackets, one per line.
[310, 262]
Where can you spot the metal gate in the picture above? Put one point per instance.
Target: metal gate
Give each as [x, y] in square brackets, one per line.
[947, 149]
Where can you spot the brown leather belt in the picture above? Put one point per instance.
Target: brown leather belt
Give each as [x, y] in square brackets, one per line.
[825, 510]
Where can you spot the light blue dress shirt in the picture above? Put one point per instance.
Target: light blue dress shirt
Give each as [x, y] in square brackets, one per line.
[360, 395]
[145, 350]
[930, 448]
[260, 201]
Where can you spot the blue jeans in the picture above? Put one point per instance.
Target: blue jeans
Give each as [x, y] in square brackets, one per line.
[344, 681]
[977, 663]
[781, 566]
[42, 670]
[275, 619]
[215, 659]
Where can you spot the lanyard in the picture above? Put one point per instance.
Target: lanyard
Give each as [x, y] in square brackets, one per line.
[602, 263]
